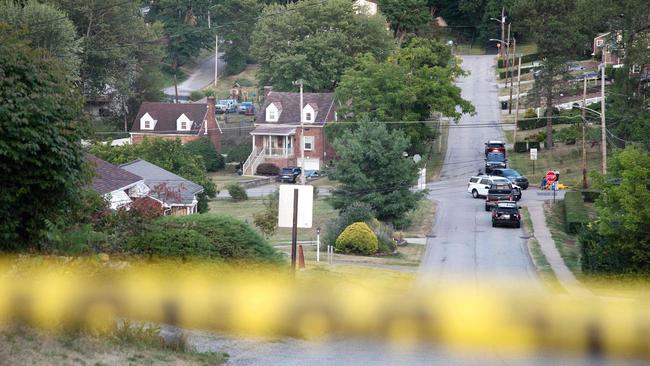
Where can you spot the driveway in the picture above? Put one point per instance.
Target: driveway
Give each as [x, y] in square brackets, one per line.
[201, 76]
[464, 246]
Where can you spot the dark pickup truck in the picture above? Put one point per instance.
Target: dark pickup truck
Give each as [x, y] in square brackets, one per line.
[501, 192]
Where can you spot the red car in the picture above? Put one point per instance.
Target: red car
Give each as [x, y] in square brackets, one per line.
[495, 147]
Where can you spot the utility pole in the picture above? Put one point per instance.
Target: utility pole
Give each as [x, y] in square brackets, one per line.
[507, 59]
[514, 52]
[216, 60]
[514, 138]
[503, 30]
[302, 134]
[602, 120]
[584, 127]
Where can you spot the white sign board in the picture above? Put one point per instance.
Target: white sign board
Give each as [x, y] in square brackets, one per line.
[422, 179]
[533, 154]
[305, 205]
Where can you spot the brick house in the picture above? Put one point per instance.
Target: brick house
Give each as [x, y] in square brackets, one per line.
[606, 46]
[187, 121]
[278, 137]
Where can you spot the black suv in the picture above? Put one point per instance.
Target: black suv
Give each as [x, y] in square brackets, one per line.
[289, 174]
[494, 160]
[499, 192]
[512, 175]
[506, 213]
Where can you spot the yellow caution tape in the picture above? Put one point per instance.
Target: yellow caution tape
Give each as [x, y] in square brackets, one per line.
[60, 293]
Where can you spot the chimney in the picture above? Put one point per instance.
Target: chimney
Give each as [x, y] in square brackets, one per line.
[214, 132]
[267, 90]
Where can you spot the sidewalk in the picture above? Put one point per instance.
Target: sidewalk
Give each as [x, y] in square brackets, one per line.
[546, 242]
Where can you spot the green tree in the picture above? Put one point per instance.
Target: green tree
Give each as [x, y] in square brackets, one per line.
[185, 29]
[554, 26]
[41, 121]
[289, 42]
[45, 27]
[237, 17]
[167, 154]
[406, 16]
[412, 85]
[267, 220]
[205, 148]
[620, 241]
[371, 169]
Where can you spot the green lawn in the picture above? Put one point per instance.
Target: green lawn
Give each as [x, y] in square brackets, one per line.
[222, 179]
[468, 49]
[566, 244]
[422, 219]
[565, 158]
[434, 165]
[541, 263]
[225, 83]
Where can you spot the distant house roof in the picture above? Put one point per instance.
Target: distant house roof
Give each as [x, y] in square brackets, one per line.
[290, 110]
[274, 130]
[108, 178]
[164, 185]
[166, 115]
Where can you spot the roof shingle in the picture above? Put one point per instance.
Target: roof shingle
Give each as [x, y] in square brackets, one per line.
[323, 103]
[108, 177]
[167, 113]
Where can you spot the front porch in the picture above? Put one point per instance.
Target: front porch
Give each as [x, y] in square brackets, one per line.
[273, 145]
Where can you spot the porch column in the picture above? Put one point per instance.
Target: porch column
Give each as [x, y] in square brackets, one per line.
[286, 149]
[253, 143]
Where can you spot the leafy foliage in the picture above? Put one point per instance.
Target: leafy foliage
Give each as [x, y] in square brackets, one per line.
[406, 16]
[238, 15]
[575, 212]
[618, 242]
[371, 169]
[289, 42]
[237, 153]
[355, 212]
[167, 154]
[267, 220]
[173, 242]
[412, 85]
[267, 169]
[45, 27]
[357, 238]
[205, 148]
[41, 122]
[232, 238]
[237, 192]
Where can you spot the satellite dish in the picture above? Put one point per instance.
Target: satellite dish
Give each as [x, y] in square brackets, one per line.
[417, 158]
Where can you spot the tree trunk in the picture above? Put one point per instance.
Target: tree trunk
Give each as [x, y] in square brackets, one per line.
[549, 118]
[175, 66]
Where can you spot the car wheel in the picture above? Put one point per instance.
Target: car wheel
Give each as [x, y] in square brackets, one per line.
[518, 225]
[487, 208]
[474, 193]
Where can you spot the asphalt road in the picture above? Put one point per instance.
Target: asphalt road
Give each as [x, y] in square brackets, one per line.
[464, 246]
[200, 77]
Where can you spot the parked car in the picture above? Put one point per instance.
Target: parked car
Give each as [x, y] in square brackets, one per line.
[479, 185]
[506, 213]
[495, 160]
[289, 174]
[312, 174]
[247, 108]
[226, 106]
[574, 66]
[501, 192]
[513, 176]
[590, 75]
[495, 146]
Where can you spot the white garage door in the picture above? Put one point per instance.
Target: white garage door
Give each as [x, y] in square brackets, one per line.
[310, 164]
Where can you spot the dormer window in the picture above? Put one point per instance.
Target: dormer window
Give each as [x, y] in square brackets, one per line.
[307, 117]
[273, 112]
[147, 122]
[183, 123]
[309, 113]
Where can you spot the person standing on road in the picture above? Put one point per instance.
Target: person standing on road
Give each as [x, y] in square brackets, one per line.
[543, 184]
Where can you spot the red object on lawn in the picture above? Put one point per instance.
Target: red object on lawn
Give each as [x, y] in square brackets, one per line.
[301, 258]
[550, 176]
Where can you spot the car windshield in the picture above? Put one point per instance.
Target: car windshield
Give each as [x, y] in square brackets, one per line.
[500, 187]
[507, 210]
[287, 170]
[246, 104]
[511, 173]
[496, 157]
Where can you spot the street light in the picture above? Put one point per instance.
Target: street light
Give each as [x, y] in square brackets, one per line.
[503, 25]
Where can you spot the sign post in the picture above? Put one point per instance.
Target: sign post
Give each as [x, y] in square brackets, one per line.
[318, 244]
[533, 157]
[295, 209]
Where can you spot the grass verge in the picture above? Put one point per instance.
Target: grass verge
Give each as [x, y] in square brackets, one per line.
[222, 179]
[435, 164]
[422, 219]
[542, 266]
[248, 77]
[566, 244]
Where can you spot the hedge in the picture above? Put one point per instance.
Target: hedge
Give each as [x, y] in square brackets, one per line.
[590, 195]
[231, 238]
[575, 212]
[267, 169]
[173, 242]
[357, 238]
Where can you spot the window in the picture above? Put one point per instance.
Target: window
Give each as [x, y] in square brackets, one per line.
[308, 143]
[147, 125]
[473, 180]
[272, 116]
[485, 181]
[599, 42]
[183, 125]
[308, 117]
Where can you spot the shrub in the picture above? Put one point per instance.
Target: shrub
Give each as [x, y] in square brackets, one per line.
[384, 233]
[357, 238]
[267, 169]
[237, 192]
[267, 220]
[590, 195]
[575, 212]
[521, 146]
[530, 113]
[173, 242]
[196, 95]
[232, 238]
[237, 153]
[356, 212]
[204, 148]
[209, 92]
[534, 145]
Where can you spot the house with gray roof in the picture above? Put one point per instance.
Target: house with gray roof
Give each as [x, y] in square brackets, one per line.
[177, 195]
[288, 125]
[118, 186]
